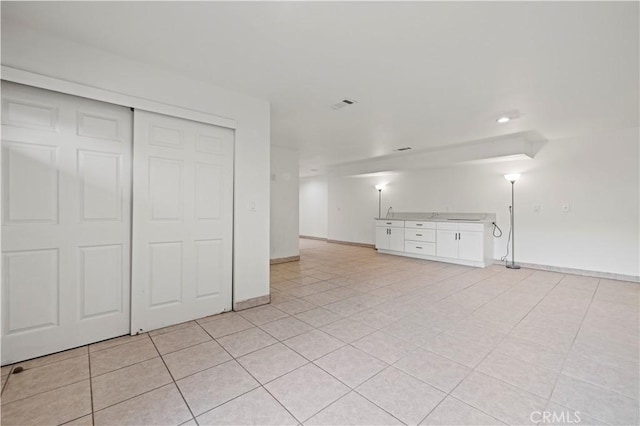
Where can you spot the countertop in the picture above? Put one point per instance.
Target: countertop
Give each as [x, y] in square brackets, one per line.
[442, 217]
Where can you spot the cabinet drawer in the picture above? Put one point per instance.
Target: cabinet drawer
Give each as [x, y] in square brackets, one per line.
[417, 247]
[471, 227]
[461, 226]
[448, 225]
[419, 224]
[413, 234]
[390, 223]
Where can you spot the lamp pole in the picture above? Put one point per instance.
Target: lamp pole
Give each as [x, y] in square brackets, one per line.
[513, 231]
[512, 177]
[379, 188]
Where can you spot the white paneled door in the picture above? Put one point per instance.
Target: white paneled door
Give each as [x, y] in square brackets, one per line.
[66, 190]
[182, 221]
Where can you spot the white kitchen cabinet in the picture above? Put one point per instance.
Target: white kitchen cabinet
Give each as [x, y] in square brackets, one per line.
[396, 239]
[447, 243]
[390, 235]
[463, 241]
[382, 238]
[470, 245]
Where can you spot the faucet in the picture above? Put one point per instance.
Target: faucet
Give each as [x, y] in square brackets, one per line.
[389, 212]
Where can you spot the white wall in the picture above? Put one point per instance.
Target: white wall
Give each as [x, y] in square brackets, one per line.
[30, 50]
[313, 206]
[284, 202]
[596, 174]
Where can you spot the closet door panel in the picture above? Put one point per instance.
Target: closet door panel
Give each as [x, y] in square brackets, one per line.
[66, 231]
[183, 220]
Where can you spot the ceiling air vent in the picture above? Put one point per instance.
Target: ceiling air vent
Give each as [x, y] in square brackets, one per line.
[406, 148]
[343, 103]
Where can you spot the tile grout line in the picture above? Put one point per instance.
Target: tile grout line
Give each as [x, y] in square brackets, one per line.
[190, 345]
[313, 362]
[260, 385]
[174, 380]
[566, 357]
[374, 403]
[93, 420]
[222, 347]
[291, 337]
[117, 345]
[134, 396]
[43, 392]
[17, 364]
[354, 389]
[4, 385]
[490, 352]
[57, 387]
[267, 305]
[126, 366]
[278, 401]
[403, 318]
[309, 361]
[598, 386]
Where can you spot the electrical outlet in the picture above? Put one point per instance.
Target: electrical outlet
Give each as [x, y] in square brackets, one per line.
[566, 208]
[537, 208]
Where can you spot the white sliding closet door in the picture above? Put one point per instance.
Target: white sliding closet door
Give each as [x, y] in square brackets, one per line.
[66, 190]
[182, 220]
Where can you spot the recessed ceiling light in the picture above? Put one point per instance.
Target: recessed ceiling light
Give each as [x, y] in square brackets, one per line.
[343, 103]
[508, 116]
[314, 170]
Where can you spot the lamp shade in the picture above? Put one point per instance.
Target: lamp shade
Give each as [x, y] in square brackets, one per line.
[512, 177]
[379, 187]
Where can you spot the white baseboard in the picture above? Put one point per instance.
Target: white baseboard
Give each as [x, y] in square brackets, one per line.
[575, 271]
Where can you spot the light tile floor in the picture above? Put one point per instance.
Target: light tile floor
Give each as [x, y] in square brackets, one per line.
[355, 337]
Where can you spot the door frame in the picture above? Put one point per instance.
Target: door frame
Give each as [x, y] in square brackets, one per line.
[84, 91]
[43, 82]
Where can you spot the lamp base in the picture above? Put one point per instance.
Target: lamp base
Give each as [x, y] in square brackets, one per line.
[513, 266]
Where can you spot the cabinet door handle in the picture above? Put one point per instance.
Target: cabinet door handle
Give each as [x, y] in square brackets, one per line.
[419, 247]
[459, 236]
[389, 223]
[456, 236]
[418, 235]
[418, 224]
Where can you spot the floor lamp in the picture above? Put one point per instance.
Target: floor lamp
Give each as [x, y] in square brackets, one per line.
[379, 188]
[512, 177]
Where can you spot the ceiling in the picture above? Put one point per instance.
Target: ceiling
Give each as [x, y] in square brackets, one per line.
[424, 75]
